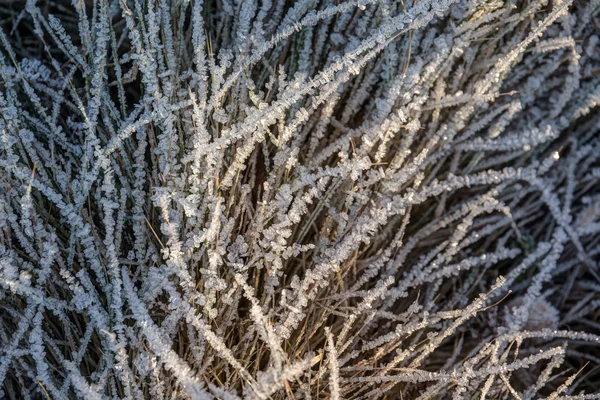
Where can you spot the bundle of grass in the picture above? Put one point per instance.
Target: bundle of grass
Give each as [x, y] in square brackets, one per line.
[314, 199]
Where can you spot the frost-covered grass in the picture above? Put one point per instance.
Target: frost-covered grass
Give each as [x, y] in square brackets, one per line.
[309, 199]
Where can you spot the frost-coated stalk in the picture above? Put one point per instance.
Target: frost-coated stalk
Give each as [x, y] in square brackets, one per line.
[311, 199]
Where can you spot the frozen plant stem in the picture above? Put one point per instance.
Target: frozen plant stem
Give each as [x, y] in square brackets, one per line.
[315, 199]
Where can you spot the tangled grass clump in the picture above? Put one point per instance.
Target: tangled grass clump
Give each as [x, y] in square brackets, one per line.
[310, 199]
